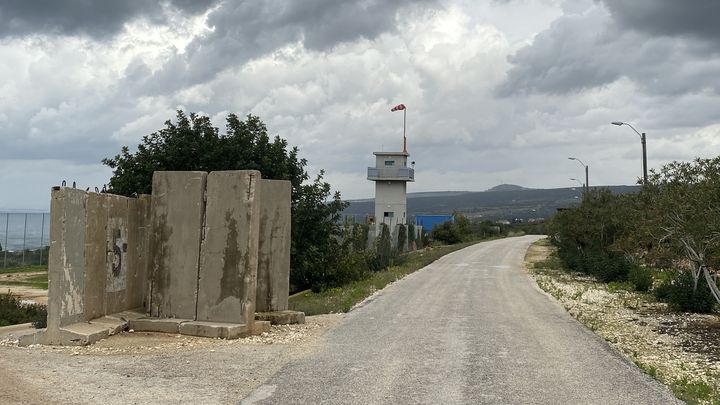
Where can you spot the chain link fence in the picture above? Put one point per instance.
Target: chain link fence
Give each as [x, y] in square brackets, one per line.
[24, 238]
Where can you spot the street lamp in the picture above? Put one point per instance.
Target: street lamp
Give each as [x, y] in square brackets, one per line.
[644, 146]
[587, 182]
[580, 183]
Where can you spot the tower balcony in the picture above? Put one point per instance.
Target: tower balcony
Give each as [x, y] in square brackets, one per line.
[391, 174]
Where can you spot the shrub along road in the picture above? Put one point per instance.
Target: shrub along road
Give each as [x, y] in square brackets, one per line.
[470, 328]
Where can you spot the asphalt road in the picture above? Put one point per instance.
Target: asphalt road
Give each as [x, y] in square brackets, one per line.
[472, 328]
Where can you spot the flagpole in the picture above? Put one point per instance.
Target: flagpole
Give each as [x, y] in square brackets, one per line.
[404, 136]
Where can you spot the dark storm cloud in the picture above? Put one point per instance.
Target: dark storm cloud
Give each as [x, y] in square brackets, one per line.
[639, 40]
[243, 30]
[569, 56]
[698, 18]
[97, 19]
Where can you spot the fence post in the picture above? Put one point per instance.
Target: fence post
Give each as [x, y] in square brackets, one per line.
[7, 224]
[42, 234]
[24, 236]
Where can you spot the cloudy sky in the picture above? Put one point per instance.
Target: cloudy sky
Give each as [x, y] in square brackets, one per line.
[498, 91]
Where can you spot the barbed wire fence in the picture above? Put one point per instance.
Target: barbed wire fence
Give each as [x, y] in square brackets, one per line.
[24, 238]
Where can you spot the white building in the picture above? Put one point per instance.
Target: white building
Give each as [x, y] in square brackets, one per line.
[391, 174]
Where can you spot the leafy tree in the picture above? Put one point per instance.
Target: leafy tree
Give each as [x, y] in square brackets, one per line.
[683, 214]
[446, 232]
[192, 143]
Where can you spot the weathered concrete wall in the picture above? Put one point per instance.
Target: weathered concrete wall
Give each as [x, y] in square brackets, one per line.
[273, 275]
[188, 255]
[66, 262]
[177, 222]
[229, 249]
[92, 269]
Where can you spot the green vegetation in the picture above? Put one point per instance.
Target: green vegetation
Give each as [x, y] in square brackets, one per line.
[192, 143]
[13, 312]
[27, 269]
[671, 226]
[342, 299]
[693, 392]
[464, 230]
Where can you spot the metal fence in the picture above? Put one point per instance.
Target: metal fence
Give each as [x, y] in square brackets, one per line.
[24, 238]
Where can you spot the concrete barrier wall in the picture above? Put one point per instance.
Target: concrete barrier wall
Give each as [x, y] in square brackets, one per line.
[178, 209]
[192, 251]
[229, 249]
[273, 275]
[95, 266]
[66, 264]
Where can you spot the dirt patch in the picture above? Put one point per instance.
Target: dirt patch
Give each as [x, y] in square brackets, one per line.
[158, 368]
[27, 293]
[537, 252]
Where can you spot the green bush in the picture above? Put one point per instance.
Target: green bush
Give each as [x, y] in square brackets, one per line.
[13, 312]
[681, 296]
[447, 232]
[615, 286]
[610, 267]
[606, 267]
[402, 238]
[641, 277]
[411, 235]
[384, 252]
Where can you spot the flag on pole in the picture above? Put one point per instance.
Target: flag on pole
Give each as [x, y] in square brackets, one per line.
[398, 107]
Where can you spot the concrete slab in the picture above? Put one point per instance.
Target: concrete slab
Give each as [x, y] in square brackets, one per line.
[259, 327]
[281, 317]
[220, 330]
[273, 279]
[164, 325]
[112, 324]
[228, 263]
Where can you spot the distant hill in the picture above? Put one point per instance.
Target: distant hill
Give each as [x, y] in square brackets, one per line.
[500, 203]
[507, 187]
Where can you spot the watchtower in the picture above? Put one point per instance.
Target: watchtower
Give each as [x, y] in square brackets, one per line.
[391, 175]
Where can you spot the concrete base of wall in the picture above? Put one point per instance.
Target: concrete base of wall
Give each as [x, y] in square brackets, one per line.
[87, 333]
[281, 317]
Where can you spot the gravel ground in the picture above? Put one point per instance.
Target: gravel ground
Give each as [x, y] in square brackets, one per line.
[670, 346]
[140, 368]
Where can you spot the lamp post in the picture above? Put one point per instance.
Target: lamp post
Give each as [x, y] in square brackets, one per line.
[644, 147]
[580, 183]
[587, 182]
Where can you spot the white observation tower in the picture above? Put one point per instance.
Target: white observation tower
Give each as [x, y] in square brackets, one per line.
[391, 174]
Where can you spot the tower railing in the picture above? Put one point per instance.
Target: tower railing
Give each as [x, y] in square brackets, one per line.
[391, 173]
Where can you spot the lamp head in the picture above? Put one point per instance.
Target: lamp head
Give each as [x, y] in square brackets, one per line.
[572, 158]
[618, 123]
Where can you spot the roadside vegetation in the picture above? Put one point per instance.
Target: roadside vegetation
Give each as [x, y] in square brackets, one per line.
[665, 239]
[659, 250]
[678, 349]
[13, 311]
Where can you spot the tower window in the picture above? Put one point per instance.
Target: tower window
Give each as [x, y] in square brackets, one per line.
[388, 214]
[389, 163]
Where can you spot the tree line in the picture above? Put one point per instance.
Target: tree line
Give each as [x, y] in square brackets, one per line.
[664, 239]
